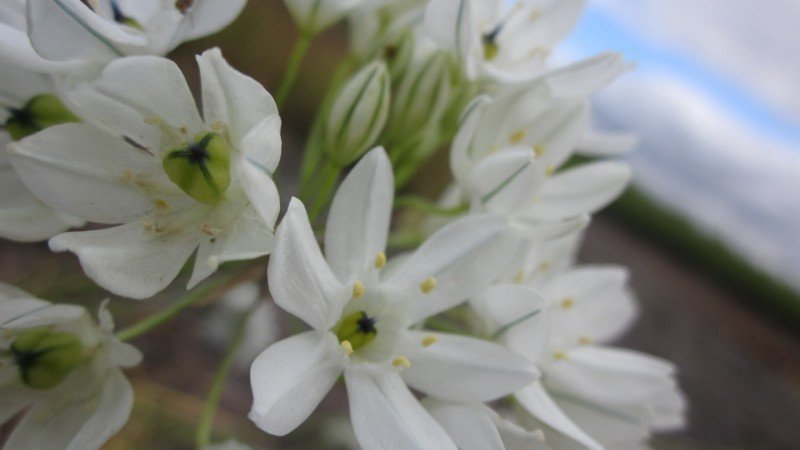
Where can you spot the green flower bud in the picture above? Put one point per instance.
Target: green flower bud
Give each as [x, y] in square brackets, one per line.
[45, 357]
[201, 169]
[358, 114]
[40, 112]
[358, 329]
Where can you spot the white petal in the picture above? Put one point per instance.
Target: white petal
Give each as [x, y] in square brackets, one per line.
[89, 179]
[518, 315]
[248, 237]
[505, 182]
[536, 401]
[386, 415]
[449, 24]
[153, 86]
[466, 423]
[584, 78]
[610, 429]
[65, 30]
[515, 437]
[23, 217]
[584, 189]
[290, 378]
[261, 146]
[539, 230]
[464, 257]
[462, 155]
[358, 221]
[17, 50]
[299, 278]
[19, 310]
[460, 368]
[209, 16]
[261, 191]
[16, 396]
[127, 260]
[229, 96]
[110, 414]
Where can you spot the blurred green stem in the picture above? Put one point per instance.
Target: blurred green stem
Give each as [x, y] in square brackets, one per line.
[330, 173]
[289, 78]
[429, 207]
[206, 425]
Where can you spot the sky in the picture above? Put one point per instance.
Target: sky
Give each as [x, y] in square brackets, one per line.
[715, 103]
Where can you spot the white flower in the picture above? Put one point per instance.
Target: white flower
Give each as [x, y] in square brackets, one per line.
[66, 369]
[585, 386]
[475, 426]
[23, 217]
[72, 36]
[313, 16]
[499, 41]
[178, 182]
[361, 319]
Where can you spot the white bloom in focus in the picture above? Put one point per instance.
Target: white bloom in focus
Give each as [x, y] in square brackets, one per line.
[74, 36]
[361, 319]
[313, 16]
[178, 182]
[475, 426]
[23, 217]
[66, 369]
[498, 40]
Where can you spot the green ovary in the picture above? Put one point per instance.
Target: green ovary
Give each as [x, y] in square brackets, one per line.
[45, 357]
[357, 328]
[201, 168]
[40, 112]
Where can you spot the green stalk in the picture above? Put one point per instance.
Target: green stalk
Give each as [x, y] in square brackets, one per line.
[328, 178]
[429, 207]
[290, 77]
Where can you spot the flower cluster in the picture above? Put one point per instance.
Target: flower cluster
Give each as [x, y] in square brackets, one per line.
[485, 334]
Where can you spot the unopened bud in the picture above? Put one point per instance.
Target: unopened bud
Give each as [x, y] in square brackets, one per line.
[45, 357]
[201, 168]
[359, 114]
[40, 112]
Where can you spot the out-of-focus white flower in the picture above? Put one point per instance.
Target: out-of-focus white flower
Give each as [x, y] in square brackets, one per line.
[81, 36]
[178, 182]
[313, 16]
[361, 319]
[66, 369]
[27, 105]
[499, 40]
[475, 426]
[358, 114]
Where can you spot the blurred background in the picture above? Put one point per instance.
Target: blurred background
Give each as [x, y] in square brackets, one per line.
[710, 229]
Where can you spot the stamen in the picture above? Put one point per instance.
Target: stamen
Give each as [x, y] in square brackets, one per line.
[538, 149]
[429, 340]
[568, 303]
[358, 290]
[585, 340]
[401, 361]
[208, 230]
[380, 260]
[428, 285]
[520, 276]
[544, 266]
[518, 136]
[560, 355]
[347, 347]
[550, 170]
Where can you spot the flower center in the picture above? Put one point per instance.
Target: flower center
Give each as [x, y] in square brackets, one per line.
[45, 357]
[201, 168]
[358, 329]
[40, 112]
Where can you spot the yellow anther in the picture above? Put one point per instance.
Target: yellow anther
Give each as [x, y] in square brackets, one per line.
[208, 230]
[8, 333]
[538, 150]
[544, 266]
[148, 226]
[380, 260]
[585, 340]
[401, 361]
[520, 276]
[152, 120]
[162, 204]
[494, 149]
[517, 136]
[536, 199]
[550, 170]
[428, 285]
[560, 355]
[347, 347]
[429, 340]
[358, 290]
[568, 303]
[127, 175]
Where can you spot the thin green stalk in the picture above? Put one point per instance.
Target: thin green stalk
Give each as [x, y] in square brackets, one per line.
[328, 177]
[429, 207]
[290, 77]
[405, 239]
[171, 311]
[206, 424]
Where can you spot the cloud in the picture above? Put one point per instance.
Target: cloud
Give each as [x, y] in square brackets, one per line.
[755, 44]
[711, 165]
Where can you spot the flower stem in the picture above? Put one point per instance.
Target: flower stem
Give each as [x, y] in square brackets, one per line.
[330, 173]
[429, 207]
[200, 293]
[206, 425]
[289, 78]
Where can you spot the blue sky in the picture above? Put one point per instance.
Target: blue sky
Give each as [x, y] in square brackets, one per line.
[715, 103]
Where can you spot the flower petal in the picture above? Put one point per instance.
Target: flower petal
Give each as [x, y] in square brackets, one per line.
[450, 24]
[463, 258]
[586, 77]
[460, 368]
[229, 96]
[16, 396]
[210, 16]
[467, 424]
[505, 182]
[386, 415]
[290, 378]
[299, 278]
[110, 414]
[127, 260]
[584, 189]
[88, 181]
[358, 221]
[19, 310]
